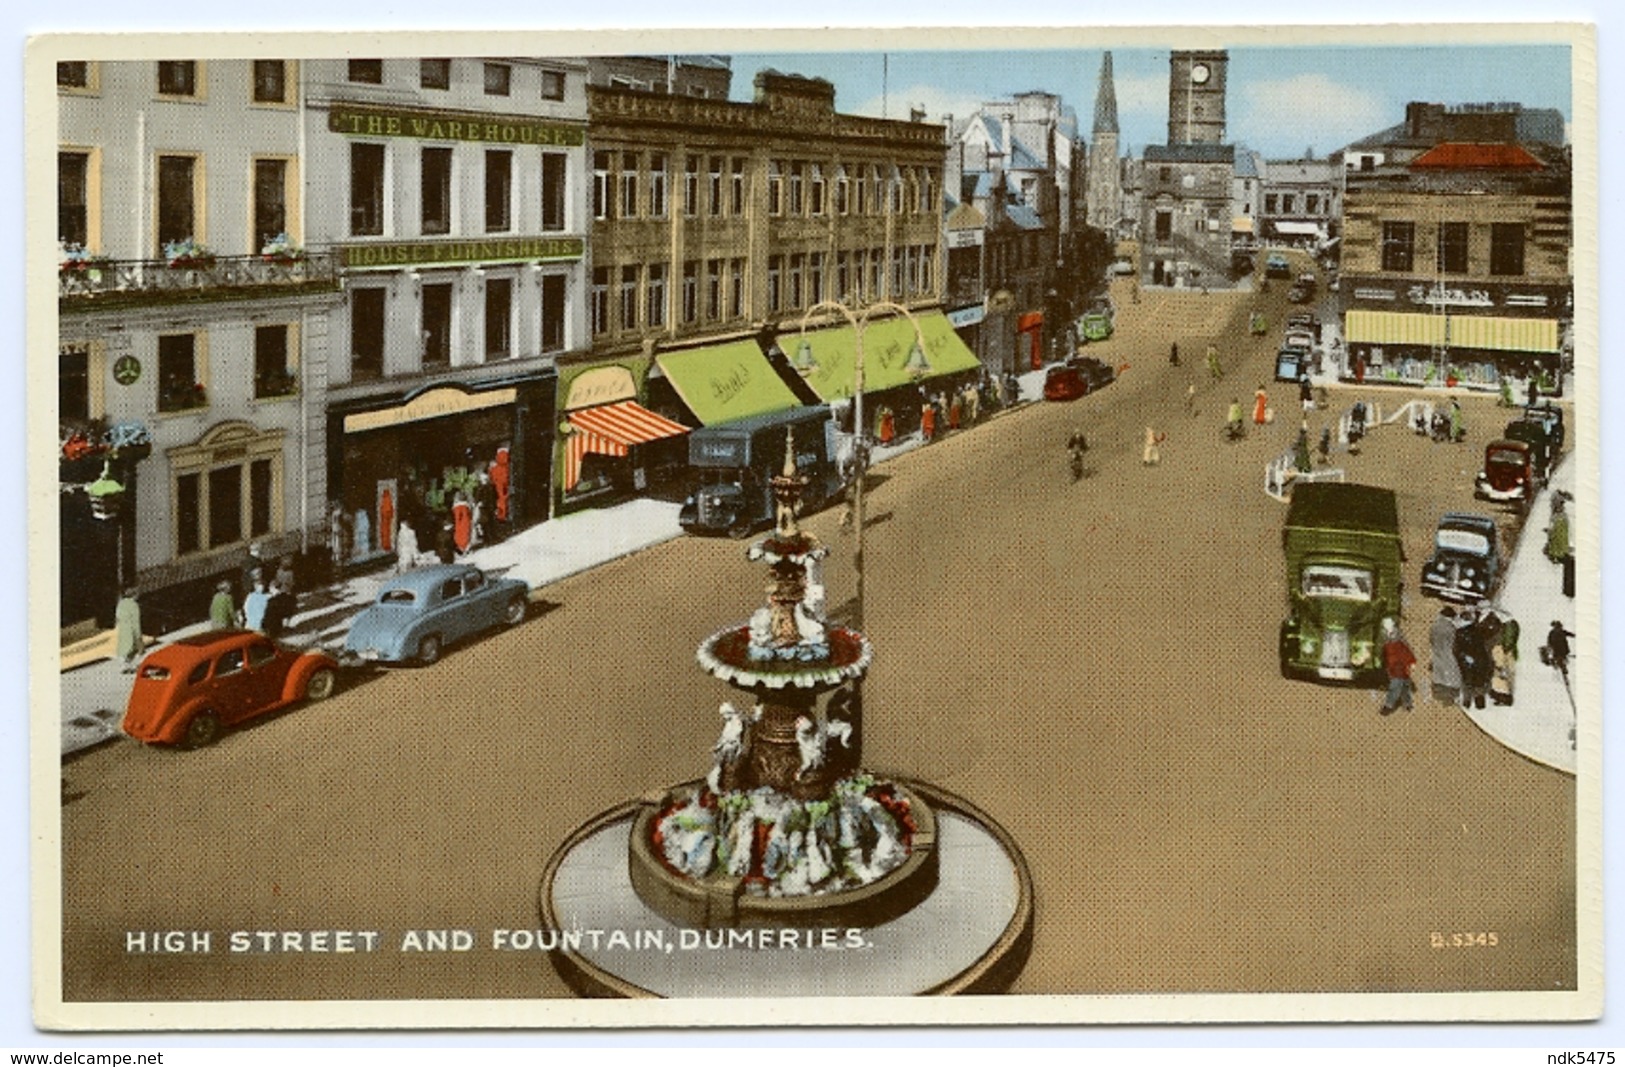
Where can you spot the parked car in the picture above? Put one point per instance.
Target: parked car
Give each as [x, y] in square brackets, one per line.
[1297, 337]
[1095, 325]
[186, 691]
[1550, 416]
[418, 613]
[1539, 436]
[1466, 559]
[1308, 280]
[1291, 363]
[1276, 266]
[1299, 295]
[1122, 266]
[1065, 383]
[1510, 474]
[1097, 373]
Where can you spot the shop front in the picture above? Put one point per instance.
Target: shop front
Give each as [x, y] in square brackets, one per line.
[1030, 328]
[610, 445]
[1437, 348]
[476, 458]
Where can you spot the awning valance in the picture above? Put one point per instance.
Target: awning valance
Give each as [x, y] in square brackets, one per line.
[721, 383]
[1393, 328]
[1298, 229]
[886, 345]
[611, 430]
[1503, 334]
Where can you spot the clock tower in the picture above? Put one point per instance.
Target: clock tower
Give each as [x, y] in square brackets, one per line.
[1196, 83]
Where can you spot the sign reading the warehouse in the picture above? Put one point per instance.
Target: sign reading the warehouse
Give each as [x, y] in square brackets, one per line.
[418, 253]
[451, 126]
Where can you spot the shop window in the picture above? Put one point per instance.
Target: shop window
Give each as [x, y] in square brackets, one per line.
[434, 73]
[225, 488]
[177, 219]
[600, 300]
[736, 289]
[657, 295]
[366, 334]
[629, 297]
[498, 318]
[435, 184]
[498, 191]
[1398, 246]
[554, 186]
[1452, 251]
[366, 190]
[553, 309]
[796, 262]
[498, 79]
[436, 325]
[775, 269]
[273, 369]
[552, 85]
[188, 514]
[629, 185]
[180, 383]
[73, 382]
[714, 205]
[73, 198]
[1506, 248]
[737, 208]
[796, 190]
[657, 186]
[691, 186]
[366, 71]
[177, 77]
[270, 200]
[713, 290]
[815, 196]
[815, 277]
[691, 291]
[74, 74]
[270, 81]
[600, 185]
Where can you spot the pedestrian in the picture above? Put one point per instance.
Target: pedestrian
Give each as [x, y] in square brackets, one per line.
[955, 411]
[462, 522]
[255, 567]
[284, 575]
[1534, 390]
[223, 608]
[1325, 448]
[279, 607]
[127, 637]
[1557, 531]
[1261, 404]
[1458, 431]
[1306, 394]
[928, 421]
[1232, 421]
[1473, 657]
[1505, 653]
[363, 534]
[1173, 353]
[1190, 399]
[1213, 368]
[1556, 651]
[1151, 455]
[1446, 672]
[1300, 451]
[254, 607]
[406, 548]
[1397, 660]
[446, 544]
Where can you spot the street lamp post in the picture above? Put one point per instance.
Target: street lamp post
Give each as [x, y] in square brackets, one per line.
[804, 362]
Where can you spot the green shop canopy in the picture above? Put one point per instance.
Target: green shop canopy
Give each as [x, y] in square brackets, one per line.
[721, 383]
[886, 343]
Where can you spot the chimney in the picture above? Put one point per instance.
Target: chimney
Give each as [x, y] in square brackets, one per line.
[916, 113]
[1009, 120]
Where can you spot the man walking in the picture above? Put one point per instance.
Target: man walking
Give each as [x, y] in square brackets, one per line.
[1446, 672]
[127, 629]
[1397, 660]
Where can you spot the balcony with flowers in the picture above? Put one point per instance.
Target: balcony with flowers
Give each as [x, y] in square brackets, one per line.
[191, 272]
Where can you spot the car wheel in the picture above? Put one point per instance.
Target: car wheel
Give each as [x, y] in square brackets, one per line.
[202, 730]
[514, 613]
[429, 650]
[321, 684]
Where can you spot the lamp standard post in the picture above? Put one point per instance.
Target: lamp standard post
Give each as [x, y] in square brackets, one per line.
[805, 363]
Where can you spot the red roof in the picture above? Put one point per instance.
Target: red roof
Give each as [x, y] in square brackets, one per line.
[1460, 155]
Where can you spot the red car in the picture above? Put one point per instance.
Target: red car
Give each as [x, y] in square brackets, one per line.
[186, 691]
[1065, 383]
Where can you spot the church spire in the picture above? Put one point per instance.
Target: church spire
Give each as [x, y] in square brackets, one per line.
[1106, 99]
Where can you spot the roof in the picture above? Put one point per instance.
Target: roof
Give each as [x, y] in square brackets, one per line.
[1344, 506]
[210, 638]
[1462, 155]
[1106, 99]
[1246, 164]
[1190, 153]
[1024, 216]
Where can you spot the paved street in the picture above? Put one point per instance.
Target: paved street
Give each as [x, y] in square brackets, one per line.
[1094, 664]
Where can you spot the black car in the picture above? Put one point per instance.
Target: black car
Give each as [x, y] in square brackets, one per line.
[1539, 436]
[1550, 416]
[1466, 559]
[1096, 372]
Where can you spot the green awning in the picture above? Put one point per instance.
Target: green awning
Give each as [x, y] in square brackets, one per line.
[886, 343]
[721, 383]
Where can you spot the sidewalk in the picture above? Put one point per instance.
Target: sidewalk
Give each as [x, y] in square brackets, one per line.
[95, 691]
[1539, 722]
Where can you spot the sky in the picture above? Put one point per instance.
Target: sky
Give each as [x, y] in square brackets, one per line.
[1281, 100]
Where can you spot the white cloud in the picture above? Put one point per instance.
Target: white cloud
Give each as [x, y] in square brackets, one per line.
[1310, 109]
[936, 102]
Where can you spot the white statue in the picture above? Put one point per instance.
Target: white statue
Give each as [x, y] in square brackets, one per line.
[809, 631]
[761, 627]
[732, 742]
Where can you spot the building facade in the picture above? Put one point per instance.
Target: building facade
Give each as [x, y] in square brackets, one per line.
[1187, 186]
[706, 77]
[1457, 249]
[1105, 182]
[195, 324]
[454, 195]
[1196, 97]
[1299, 202]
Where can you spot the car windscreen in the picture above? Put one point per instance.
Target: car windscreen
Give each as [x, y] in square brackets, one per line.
[1337, 582]
[1508, 457]
[1463, 541]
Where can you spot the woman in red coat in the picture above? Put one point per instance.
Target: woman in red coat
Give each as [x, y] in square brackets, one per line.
[462, 522]
[928, 420]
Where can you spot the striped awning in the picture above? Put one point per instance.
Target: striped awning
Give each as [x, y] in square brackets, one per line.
[1393, 328]
[612, 430]
[1503, 334]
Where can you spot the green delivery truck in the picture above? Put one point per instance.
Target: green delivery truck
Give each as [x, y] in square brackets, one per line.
[1343, 575]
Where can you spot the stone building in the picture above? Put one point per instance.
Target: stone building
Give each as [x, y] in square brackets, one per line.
[716, 227]
[454, 194]
[1186, 196]
[707, 77]
[1457, 248]
[194, 329]
[1105, 197]
[1299, 203]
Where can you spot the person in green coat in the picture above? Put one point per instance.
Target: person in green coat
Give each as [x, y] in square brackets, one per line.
[222, 609]
[1557, 532]
[127, 629]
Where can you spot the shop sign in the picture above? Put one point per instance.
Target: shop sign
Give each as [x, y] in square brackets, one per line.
[964, 238]
[1374, 294]
[601, 385]
[432, 404]
[420, 253]
[967, 316]
[1527, 300]
[126, 370]
[451, 126]
[1439, 295]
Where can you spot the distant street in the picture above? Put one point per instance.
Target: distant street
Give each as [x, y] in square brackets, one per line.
[1094, 664]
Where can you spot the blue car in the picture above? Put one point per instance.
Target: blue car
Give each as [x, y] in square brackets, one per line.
[418, 613]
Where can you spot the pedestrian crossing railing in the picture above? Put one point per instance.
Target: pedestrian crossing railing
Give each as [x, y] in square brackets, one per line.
[1413, 411]
[1282, 473]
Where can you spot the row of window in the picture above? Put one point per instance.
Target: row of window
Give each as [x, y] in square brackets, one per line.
[637, 185]
[437, 326]
[437, 182]
[182, 372]
[1452, 243]
[272, 85]
[1287, 203]
[713, 290]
